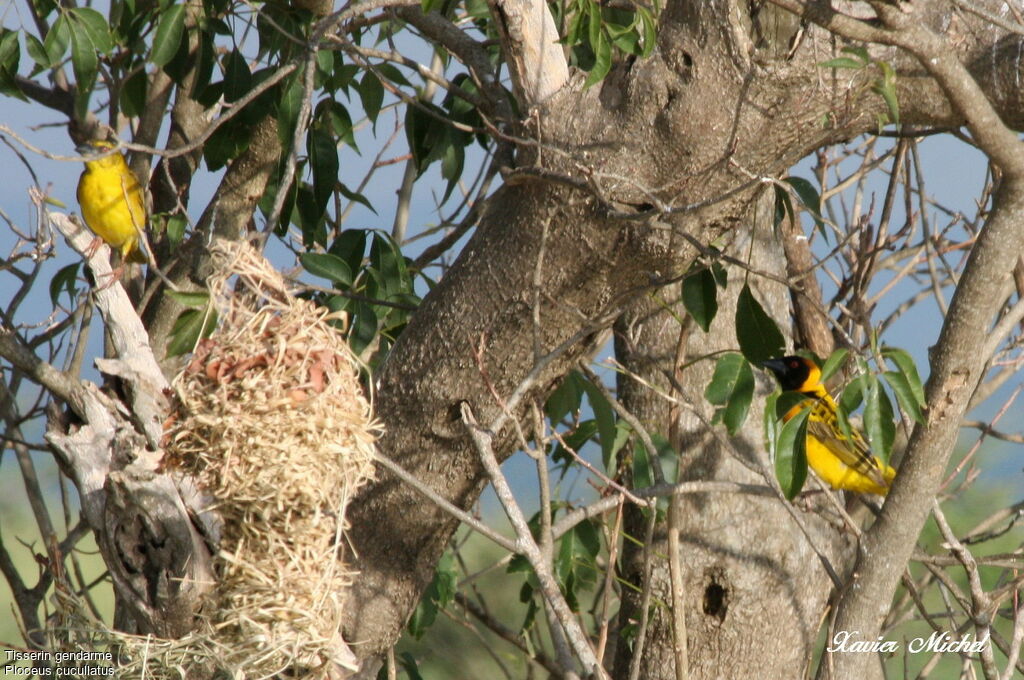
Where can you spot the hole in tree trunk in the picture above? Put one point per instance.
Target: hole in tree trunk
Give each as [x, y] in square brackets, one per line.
[716, 601]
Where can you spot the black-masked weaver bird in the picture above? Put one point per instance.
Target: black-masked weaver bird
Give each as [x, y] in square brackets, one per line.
[842, 462]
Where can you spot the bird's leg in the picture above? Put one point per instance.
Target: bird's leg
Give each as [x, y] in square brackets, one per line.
[93, 247]
[806, 500]
[114, 275]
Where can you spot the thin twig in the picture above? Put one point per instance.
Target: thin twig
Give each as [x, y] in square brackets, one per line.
[528, 547]
[448, 507]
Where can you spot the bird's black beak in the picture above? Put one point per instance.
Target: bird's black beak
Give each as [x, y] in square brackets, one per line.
[776, 366]
[85, 150]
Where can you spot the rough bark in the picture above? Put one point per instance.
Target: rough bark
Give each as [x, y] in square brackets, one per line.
[957, 367]
[750, 576]
[713, 110]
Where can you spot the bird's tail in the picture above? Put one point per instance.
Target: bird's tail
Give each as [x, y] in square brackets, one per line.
[136, 255]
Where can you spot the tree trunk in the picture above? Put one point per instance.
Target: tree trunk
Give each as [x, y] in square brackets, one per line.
[625, 174]
[754, 588]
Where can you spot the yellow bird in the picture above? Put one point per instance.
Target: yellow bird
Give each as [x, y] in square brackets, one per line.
[843, 462]
[112, 201]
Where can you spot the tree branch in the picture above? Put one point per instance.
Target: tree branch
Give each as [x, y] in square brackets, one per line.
[530, 43]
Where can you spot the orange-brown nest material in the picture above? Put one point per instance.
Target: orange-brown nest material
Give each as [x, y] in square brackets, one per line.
[273, 422]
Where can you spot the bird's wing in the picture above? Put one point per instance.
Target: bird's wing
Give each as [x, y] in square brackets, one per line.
[852, 451]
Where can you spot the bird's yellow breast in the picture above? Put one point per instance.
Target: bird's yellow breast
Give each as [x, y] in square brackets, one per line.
[112, 203]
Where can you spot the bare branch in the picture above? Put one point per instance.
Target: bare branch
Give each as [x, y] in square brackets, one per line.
[530, 42]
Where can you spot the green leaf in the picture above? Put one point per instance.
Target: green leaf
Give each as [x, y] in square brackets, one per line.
[772, 423]
[350, 247]
[860, 52]
[237, 77]
[623, 432]
[720, 274]
[10, 57]
[200, 64]
[355, 196]
[904, 395]
[168, 35]
[786, 401]
[783, 206]
[739, 401]
[667, 456]
[791, 455]
[64, 280]
[723, 382]
[650, 31]
[190, 300]
[849, 400]
[327, 266]
[627, 41]
[57, 40]
[566, 398]
[905, 363]
[95, 27]
[324, 77]
[371, 93]
[602, 62]
[526, 597]
[643, 472]
[731, 386]
[10, 49]
[886, 86]
[451, 167]
[700, 297]
[576, 562]
[310, 217]
[810, 198]
[387, 260]
[37, 51]
[604, 415]
[189, 329]
[758, 336]
[878, 419]
[288, 109]
[833, 363]
[337, 116]
[853, 394]
[133, 94]
[84, 60]
[176, 229]
[343, 73]
[438, 595]
[575, 440]
[593, 24]
[44, 8]
[426, 134]
[842, 62]
[323, 162]
[226, 143]
[364, 327]
[574, 31]
[408, 662]
[391, 73]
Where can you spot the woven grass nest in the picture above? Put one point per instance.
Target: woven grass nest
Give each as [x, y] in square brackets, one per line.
[273, 423]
